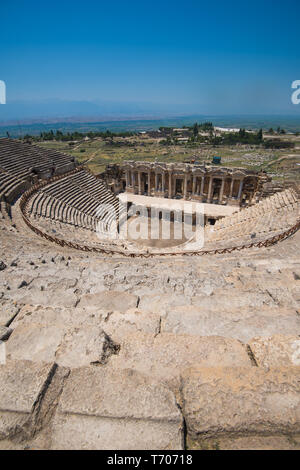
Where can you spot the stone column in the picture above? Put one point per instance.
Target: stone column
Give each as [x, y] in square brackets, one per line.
[202, 186]
[127, 178]
[222, 191]
[149, 183]
[185, 187]
[163, 182]
[231, 188]
[240, 189]
[170, 185]
[140, 182]
[210, 189]
[156, 182]
[133, 179]
[194, 185]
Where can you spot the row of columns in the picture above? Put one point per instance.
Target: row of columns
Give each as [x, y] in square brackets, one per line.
[197, 190]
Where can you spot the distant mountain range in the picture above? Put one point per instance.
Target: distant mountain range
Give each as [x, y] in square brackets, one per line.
[15, 112]
[289, 123]
[24, 117]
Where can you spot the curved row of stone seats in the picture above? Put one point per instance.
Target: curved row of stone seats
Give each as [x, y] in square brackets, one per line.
[77, 234]
[266, 219]
[52, 208]
[75, 200]
[89, 199]
[11, 187]
[19, 158]
[86, 198]
[285, 199]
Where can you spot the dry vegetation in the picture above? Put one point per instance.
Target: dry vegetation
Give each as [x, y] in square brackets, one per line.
[98, 152]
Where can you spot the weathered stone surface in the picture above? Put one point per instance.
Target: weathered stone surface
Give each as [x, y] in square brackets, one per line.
[110, 300]
[160, 303]
[232, 300]
[241, 400]
[120, 325]
[66, 316]
[69, 347]
[21, 385]
[277, 350]
[164, 356]
[239, 324]
[104, 409]
[35, 342]
[35, 296]
[114, 323]
[84, 346]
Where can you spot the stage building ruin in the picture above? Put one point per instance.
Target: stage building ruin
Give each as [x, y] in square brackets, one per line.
[201, 183]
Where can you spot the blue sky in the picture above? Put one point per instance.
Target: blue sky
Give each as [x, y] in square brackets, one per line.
[214, 57]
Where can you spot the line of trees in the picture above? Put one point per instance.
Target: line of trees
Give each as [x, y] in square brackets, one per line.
[75, 136]
[241, 137]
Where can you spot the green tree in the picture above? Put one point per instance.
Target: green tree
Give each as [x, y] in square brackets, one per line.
[260, 135]
[195, 129]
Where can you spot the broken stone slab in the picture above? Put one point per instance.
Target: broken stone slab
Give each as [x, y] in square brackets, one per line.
[239, 324]
[69, 347]
[115, 324]
[110, 300]
[166, 355]
[120, 325]
[35, 342]
[84, 346]
[35, 296]
[104, 409]
[240, 401]
[66, 316]
[8, 310]
[277, 350]
[22, 384]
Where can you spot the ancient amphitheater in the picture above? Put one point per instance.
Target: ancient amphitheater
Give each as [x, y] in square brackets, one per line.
[109, 345]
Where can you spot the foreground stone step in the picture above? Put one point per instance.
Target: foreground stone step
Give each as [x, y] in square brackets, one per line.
[115, 324]
[241, 401]
[105, 409]
[69, 347]
[22, 384]
[241, 324]
[164, 356]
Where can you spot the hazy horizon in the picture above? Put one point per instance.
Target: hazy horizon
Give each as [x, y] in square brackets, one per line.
[136, 59]
[19, 129]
